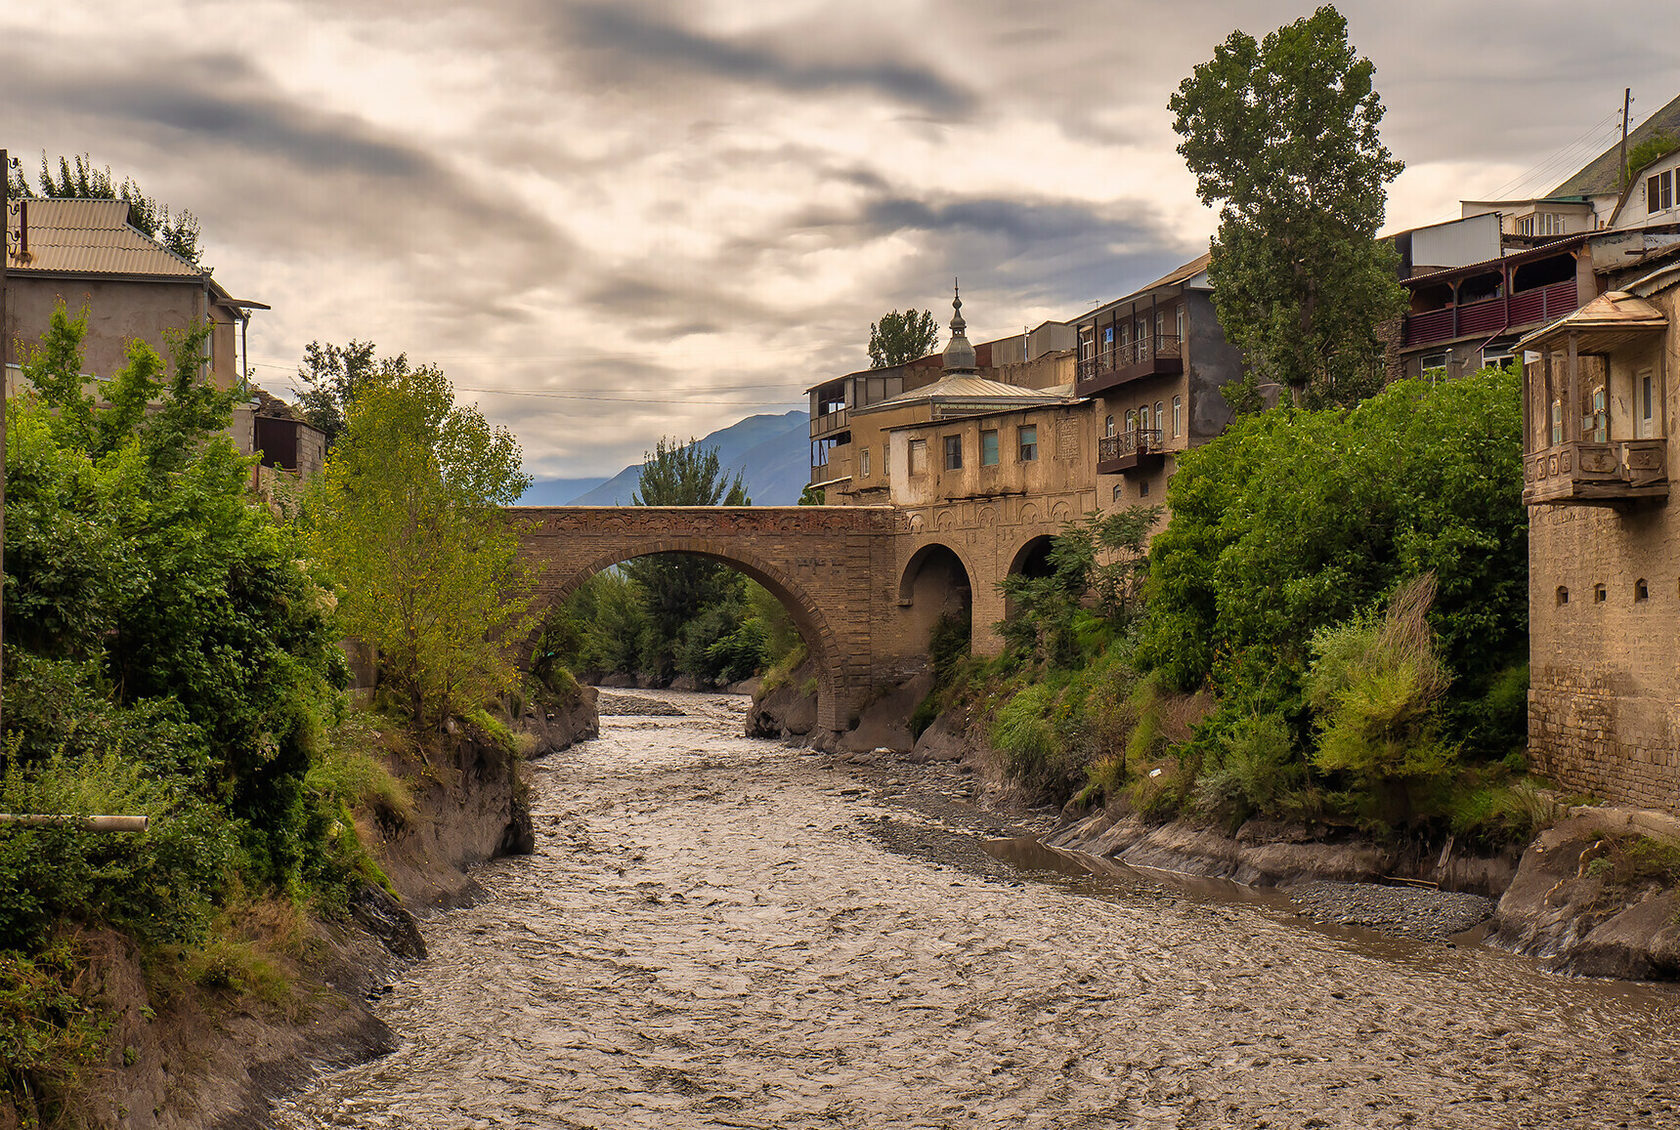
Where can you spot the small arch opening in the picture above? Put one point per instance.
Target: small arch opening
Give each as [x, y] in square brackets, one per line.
[1563, 594]
[1641, 591]
[1600, 595]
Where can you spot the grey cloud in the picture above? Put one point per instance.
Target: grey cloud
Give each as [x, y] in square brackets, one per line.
[638, 39]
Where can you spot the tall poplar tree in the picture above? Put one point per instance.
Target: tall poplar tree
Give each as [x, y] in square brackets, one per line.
[1282, 135]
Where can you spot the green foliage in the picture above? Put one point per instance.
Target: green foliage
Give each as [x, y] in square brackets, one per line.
[1282, 134]
[51, 1033]
[900, 338]
[1295, 520]
[332, 374]
[1101, 561]
[812, 496]
[1658, 144]
[406, 517]
[1025, 735]
[186, 624]
[1373, 686]
[1256, 768]
[85, 181]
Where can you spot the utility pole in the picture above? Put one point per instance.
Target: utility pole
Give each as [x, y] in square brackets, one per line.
[1621, 161]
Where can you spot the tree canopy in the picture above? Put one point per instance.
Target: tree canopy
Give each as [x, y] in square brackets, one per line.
[680, 589]
[406, 517]
[900, 338]
[331, 374]
[82, 179]
[1282, 135]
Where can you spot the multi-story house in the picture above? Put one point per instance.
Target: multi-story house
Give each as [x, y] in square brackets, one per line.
[1600, 401]
[1152, 365]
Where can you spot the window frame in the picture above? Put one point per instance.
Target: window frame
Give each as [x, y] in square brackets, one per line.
[1026, 450]
[918, 457]
[953, 452]
[989, 447]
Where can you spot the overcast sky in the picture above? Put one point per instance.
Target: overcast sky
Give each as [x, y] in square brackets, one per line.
[619, 220]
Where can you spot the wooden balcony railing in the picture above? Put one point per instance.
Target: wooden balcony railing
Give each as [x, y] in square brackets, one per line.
[828, 423]
[1127, 450]
[1588, 473]
[1492, 315]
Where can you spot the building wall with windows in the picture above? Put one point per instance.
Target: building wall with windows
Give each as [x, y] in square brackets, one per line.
[1604, 559]
[1653, 195]
[1031, 452]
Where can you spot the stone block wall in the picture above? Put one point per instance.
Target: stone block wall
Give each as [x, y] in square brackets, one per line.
[1604, 699]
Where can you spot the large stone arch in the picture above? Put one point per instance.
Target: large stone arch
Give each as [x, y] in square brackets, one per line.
[813, 625]
[920, 617]
[828, 565]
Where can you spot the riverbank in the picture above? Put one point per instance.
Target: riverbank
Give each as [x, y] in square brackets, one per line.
[1547, 899]
[208, 1041]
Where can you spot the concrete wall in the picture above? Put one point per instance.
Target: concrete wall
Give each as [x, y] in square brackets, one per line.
[1066, 457]
[119, 311]
[1210, 362]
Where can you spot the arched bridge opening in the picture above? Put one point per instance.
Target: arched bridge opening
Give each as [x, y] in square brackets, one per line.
[821, 563]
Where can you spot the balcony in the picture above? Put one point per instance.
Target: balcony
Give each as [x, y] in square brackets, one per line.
[1588, 473]
[828, 423]
[1149, 356]
[1130, 451]
[1492, 316]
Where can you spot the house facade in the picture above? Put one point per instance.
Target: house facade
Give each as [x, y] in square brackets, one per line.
[1599, 422]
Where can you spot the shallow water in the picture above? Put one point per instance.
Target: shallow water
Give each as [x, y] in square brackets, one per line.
[713, 934]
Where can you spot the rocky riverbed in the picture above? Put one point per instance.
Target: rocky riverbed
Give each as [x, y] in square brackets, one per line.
[716, 931]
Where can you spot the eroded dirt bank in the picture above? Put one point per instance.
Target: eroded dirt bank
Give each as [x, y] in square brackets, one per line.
[186, 1055]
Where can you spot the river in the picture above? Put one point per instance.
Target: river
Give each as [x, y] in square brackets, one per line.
[717, 931]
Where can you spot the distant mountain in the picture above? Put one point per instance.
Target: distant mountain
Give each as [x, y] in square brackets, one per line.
[557, 492]
[772, 453]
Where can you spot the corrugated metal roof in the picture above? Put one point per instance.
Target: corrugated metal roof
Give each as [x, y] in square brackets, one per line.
[1602, 174]
[86, 237]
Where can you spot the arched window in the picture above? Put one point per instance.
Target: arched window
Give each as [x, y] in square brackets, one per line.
[1563, 594]
[1641, 591]
[1108, 425]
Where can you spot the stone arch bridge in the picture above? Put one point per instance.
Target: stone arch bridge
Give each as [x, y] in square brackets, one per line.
[864, 584]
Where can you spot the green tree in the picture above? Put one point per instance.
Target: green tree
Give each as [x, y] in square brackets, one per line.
[406, 517]
[153, 609]
[85, 181]
[677, 588]
[331, 374]
[1096, 565]
[900, 338]
[1282, 135]
[1292, 521]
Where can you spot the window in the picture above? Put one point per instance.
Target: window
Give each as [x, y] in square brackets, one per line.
[1599, 424]
[1659, 192]
[1562, 595]
[863, 462]
[1143, 418]
[953, 453]
[1178, 415]
[1178, 323]
[1108, 425]
[1641, 591]
[1117, 492]
[918, 457]
[1131, 420]
[1525, 226]
[1434, 367]
[1598, 594]
[988, 448]
[1143, 490]
[1646, 395]
[1028, 438]
[1160, 416]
